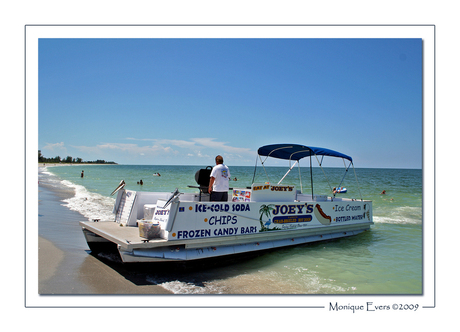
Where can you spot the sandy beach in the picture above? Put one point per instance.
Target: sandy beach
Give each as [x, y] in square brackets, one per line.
[65, 263]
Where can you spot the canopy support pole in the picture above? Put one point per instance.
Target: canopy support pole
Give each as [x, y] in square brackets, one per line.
[264, 168]
[327, 179]
[346, 171]
[288, 171]
[311, 179]
[300, 178]
[255, 169]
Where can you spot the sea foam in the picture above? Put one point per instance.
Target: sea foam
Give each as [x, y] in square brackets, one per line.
[90, 205]
[400, 215]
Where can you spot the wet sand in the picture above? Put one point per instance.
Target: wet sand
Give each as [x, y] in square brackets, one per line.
[65, 264]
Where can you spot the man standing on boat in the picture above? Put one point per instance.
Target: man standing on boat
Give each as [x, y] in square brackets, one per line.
[218, 184]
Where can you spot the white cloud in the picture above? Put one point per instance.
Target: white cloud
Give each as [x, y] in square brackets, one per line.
[195, 150]
[55, 147]
[195, 144]
[129, 148]
[211, 143]
[178, 143]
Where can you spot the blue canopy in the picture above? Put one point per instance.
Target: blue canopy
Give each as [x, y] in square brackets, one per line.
[297, 152]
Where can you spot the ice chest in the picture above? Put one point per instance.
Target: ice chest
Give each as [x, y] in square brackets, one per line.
[149, 230]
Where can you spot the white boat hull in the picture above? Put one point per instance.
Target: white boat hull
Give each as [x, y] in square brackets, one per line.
[190, 254]
[192, 230]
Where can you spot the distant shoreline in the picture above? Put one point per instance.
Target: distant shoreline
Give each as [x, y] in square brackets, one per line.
[69, 164]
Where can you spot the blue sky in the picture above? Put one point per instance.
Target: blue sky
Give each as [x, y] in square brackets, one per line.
[183, 101]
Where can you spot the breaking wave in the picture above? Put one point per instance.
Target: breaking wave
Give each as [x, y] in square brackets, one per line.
[90, 205]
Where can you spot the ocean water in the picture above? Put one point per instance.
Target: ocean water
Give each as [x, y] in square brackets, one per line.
[385, 260]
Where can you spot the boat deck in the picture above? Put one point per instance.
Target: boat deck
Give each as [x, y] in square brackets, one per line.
[126, 237]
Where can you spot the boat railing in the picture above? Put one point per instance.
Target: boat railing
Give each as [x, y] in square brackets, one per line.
[310, 198]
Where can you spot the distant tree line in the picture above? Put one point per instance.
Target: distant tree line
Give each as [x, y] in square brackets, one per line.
[69, 160]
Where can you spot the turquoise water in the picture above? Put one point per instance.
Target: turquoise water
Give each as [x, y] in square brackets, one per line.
[385, 260]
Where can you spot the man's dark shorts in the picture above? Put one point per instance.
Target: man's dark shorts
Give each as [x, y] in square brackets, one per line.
[219, 196]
